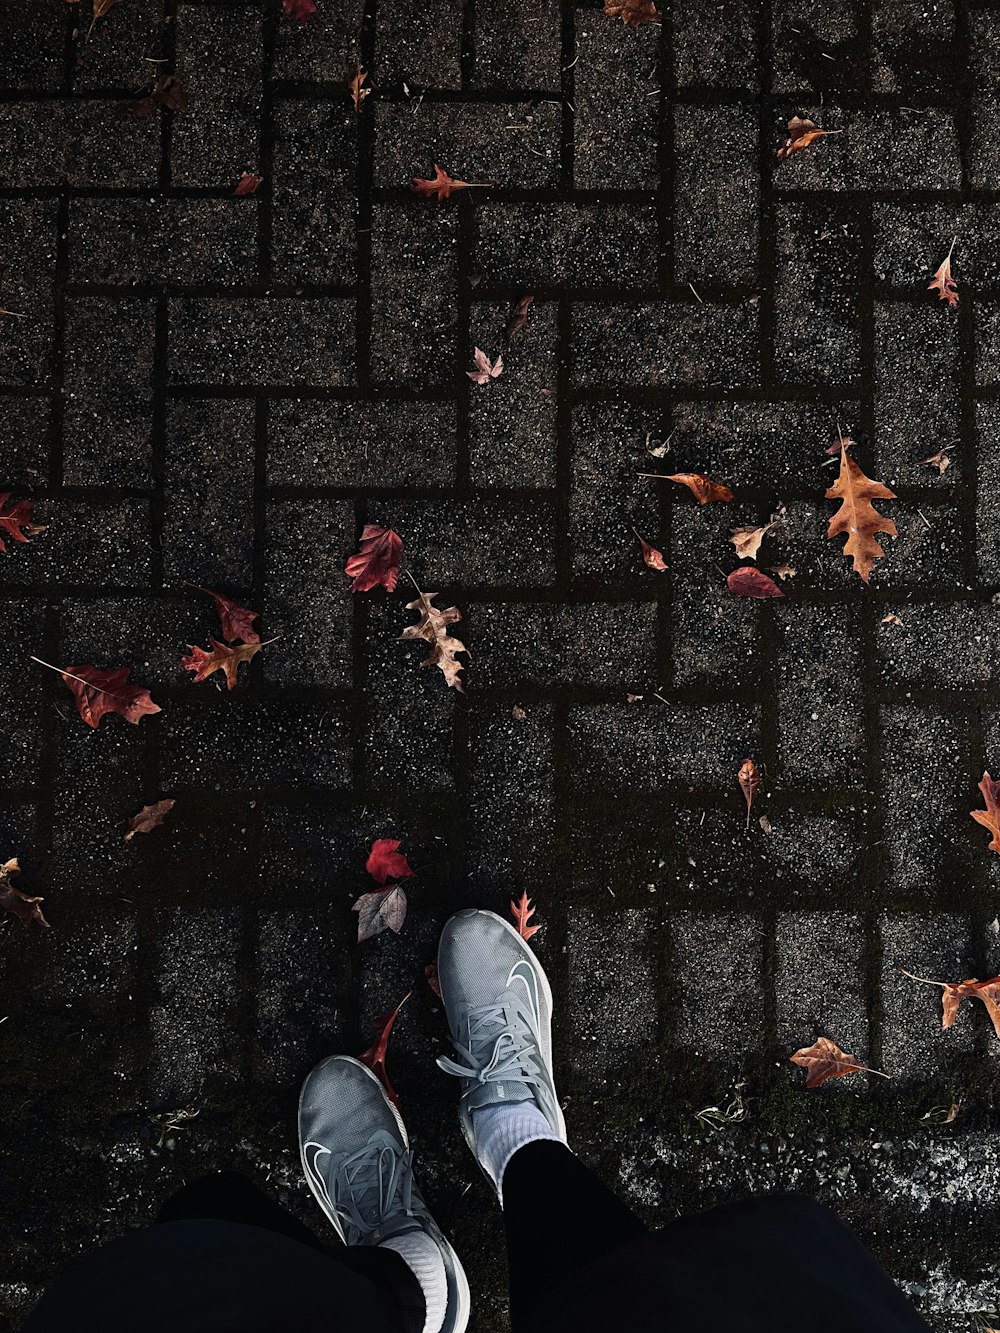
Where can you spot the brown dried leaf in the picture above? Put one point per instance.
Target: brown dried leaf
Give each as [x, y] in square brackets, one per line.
[382, 909]
[486, 369]
[990, 817]
[223, 658]
[749, 780]
[783, 571]
[432, 627]
[148, 818]
[652, 557]
[522, 911]
[13, 900]
[248, 183]
[358, 91]
[954, 992]
[747, 540]
[943, 283]
[857, 516]
[703, 488]
[824, 1059]
[441, 186]
[801, 133]
[633, 13]
[890, 618]
[940, 460]
[519, 316]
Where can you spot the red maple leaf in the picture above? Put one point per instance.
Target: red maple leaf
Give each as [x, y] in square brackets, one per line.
[15, 519]
[522, 911]
[374, 1057]
[237, 621]
[98, 692]
[223, 657]
[386, 861]
[376, 562]
[303, 10]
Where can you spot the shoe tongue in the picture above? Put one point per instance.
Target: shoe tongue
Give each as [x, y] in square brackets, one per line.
[497, 1093]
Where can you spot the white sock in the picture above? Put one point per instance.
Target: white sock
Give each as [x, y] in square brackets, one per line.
[423, 1258]
[503, 1128]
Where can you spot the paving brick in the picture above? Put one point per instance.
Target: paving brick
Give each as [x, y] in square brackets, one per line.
[517, 44]
[719, 55]
[148, 636]
[27, 287]
[614, 1010]
[264, 341]
[573, 244]
[716, 202]
[617, 110]
[242, 745]
[454, 543]
[713, 635]
[665, 344]
[919, 391]
[91, 968]
[881, 150]
[914, 50]
[734, 1023]
[939, 645]
[804, 34]
[34, 44]
[911, 241]
[512, 426]
[24, 427]
[984, 32]
[23, 684]
[654, 745]
[192, 1027]
[607, 497]
[308, 600]
[189, 241]
[935, 946]
[362, 444]
[313, 213]
[121, 47]
[108, 413]
[987, 523]
[86, 542]
[414, 268]
[502, 144]
[929, 546]
[419, 43]
[820, 983]
[820, 703]
[510, 817]
[321, 50]
[219, 53]
[583, 644]
[208, 535]
[90, 143]
[930, 841]
[816, 303]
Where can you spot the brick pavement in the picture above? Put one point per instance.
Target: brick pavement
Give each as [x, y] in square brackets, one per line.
[223, 390]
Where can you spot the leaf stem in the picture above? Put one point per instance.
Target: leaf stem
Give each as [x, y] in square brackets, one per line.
[926, 980]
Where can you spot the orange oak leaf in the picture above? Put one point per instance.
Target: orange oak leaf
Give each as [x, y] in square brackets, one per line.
[381, 909]
[148, 818]
[703, 488]
[248, 183]
[990, 817]
[374, 1057]
[748, 581]
[237, 621]
[303, 10]
[749, 780]
[943, 283]
[15, 519]
[652, 557]
[633, 13]
[223, 657]
[441, 185]
[376, 562]
[801, 133]
[98, 692]
[486, 369]
[857, 516]
[25, 908]
[386, 861]
[358, 91]
[954, 992]
[824, 1059]
[432, 627]
[522, 911]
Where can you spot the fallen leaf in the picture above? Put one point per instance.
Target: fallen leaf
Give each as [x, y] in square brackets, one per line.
[441, 185]
[522, 911]
[765, 823]
[839, 444]
[519, 317]
[747, 581]
[374, 1057]
[943, 283]
[237, 621]
[358, 91]
[148, 818]
[702, 488]
[633, 13]
[801, 133]
[824, 1059]
[747, 540]
[432, 979]
[486, 369]
[749, 780]
[954, 992]
[990, 817]
[783, 571]
[382, 909]
[653, 557]
[248, 183]
[376, 562]
[168, 92]
[101, 7]
[386, 861]
[13, 900]
[98, 692]
[15, 519]
[940, 460]
[633, 698]
[303, 10]
[432, 626]
[223, 657]
[518, 713]
[890, 618]
[857, 516]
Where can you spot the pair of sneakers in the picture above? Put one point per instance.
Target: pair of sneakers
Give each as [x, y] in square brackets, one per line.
[355, 1150]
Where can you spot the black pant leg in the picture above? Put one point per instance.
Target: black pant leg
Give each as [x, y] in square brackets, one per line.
[558, 1216]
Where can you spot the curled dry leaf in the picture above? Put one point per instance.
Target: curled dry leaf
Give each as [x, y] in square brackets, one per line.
[522, 911]
[432, 627]
[374, 1057]
[748, 581]
[633, 13]
[486, 369]
[15, 519]
[248, 183]
[824, 1060]
[382, 909]
[749, 780]
[148, 818]
[990, 817]
[386, 861]
[237, 621]
[518, 713]
[357, 88]
[940, 460]
[652, 557]
[857, 516]
[377, 559]
[703, 488]
[954, 992]
[747, 540]
[841, 443]
[98, 692]
[303, 10]
[12, 900]
[223, 657]
[441, 186]
[801, 133]
[783, 571]
[890, 618]
[943, 283]
[519, 317]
